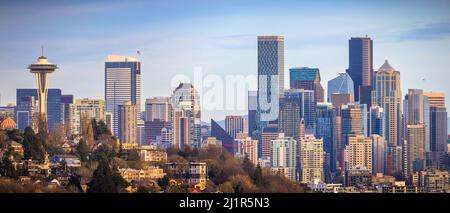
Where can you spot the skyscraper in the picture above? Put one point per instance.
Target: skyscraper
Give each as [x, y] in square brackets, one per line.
[252, 107]
[438, 132]
[351, 122]
[436, 99]
[158, 108]
[122, 83]
[283, 158]
[360, 67]
[41, 69]
[308, 79]
[25, 108]
[185, 98]
[127, 124]
[270, 74]
[377, 121]
[364, 120]
[378, 154]
[269, 133]
[290, 114]
[343, 84]
[53, 106]
[311, 160]
[153, 129]
[337, 99]
[181, 129]
[387, 95]
[296, 104]
[413, 107]
[415, 148]
[359, 153]
[66, 100]
[438, 128]
[234, 124]
[246, 146]
[325, 115]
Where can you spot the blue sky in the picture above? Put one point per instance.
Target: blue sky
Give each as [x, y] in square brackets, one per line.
[220, 36]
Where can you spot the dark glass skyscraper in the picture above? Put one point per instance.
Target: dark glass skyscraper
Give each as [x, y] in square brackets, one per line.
[325, 115]
[270, 74]
[295, 105]
[53, 105]
[252, 106]
[438, 133]
[360, 67]
[66, 100]
[308, 79]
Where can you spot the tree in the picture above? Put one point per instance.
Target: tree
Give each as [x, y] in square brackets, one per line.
[239, 188]
[102, 152]
[142, 189]
[133, 155]
[257, 176]
[33, 146]
[119, 181]
[7, 168]
[87, 131]
[100, 128]
[248, 166]
[163, 182]
[83, 151]
[75, 183]
[102, 180]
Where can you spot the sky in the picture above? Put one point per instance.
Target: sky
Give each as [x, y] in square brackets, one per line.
[175, 37]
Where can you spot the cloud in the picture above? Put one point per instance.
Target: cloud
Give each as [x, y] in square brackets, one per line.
[431, 31]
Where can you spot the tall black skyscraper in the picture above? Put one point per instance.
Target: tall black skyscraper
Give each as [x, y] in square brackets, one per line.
[438, 133]
[360, 67]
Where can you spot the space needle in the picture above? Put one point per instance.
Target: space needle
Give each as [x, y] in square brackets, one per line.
[40, 69]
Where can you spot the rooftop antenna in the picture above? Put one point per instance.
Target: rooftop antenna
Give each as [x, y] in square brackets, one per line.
[42, 50]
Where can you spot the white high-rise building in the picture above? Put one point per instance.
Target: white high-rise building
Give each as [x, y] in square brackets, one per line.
[244, 145]
[283, 157]
[185, 98]
[122, 83]
[311, 159]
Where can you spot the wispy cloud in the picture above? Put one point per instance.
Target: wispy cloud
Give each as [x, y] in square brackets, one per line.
[431, 31]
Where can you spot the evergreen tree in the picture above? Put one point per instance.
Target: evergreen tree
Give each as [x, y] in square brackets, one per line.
[75, 183]
[33, 145]
[103, 179]
[248, 166]
[257, 176]
[7, 168]
[83, 151]
[239, 188]
[163, 182]
[119, 181]
[142, 189]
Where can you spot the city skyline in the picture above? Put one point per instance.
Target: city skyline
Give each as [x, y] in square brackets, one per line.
[401, 40]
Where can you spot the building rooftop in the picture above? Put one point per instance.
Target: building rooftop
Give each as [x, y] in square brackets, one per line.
[386, 67]
[120, 58]
[304, 73]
